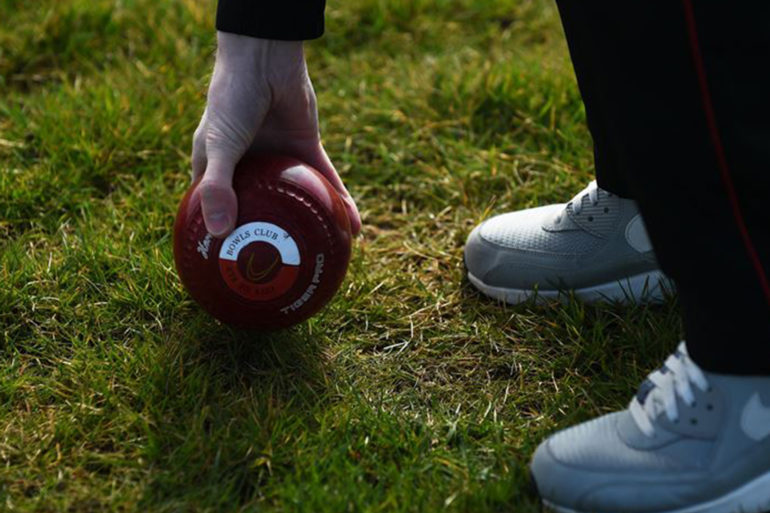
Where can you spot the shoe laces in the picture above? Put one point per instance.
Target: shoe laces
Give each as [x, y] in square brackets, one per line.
[659, 392]
[592, 191]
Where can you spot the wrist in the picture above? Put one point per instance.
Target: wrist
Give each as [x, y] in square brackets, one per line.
[247, 51]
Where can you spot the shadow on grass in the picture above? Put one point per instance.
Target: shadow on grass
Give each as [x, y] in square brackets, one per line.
[595, 353]
[228, 407]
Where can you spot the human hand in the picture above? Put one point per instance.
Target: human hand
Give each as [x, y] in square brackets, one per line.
[260, 99]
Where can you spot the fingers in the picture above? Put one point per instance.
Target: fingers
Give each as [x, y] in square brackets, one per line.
[316, 157]
[310, 150]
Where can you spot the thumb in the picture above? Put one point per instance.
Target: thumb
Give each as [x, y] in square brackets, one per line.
[218, 201]
[234, 114]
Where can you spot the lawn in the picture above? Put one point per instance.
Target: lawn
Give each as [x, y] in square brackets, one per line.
[410, 392]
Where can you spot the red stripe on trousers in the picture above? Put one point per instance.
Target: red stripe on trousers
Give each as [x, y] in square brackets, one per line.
[719, 149]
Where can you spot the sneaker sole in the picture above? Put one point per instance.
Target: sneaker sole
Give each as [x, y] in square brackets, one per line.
[753, 497]
[652, 287]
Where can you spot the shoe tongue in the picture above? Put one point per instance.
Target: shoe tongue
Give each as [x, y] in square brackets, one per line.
[585, 192]
[600, 219]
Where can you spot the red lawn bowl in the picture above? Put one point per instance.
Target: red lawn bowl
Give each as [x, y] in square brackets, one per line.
[286, 257]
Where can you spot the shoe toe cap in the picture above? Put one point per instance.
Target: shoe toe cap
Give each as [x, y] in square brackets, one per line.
[513, 250]
[590, 468]
[572, 464]
[553, 479]
[480, 255]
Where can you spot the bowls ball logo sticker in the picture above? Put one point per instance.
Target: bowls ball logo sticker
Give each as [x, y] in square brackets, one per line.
[259, 261]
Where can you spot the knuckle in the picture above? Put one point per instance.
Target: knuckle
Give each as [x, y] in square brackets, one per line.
[208, 185]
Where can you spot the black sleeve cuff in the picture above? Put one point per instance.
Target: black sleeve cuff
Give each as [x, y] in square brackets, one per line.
[287, 20]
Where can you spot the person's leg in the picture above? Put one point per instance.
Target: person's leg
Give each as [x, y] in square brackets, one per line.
[594, 246]
[728, 46]
[609, 175]
[686, 93]
[686, 90]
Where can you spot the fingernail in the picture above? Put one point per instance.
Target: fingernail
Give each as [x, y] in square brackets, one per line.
[218, 222]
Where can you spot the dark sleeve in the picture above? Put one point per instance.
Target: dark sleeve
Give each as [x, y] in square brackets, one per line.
[288, 20]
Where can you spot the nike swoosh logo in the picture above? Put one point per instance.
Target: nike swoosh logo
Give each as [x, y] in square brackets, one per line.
[755, 420]
[636, 235]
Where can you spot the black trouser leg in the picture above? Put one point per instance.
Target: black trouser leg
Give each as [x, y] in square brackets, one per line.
[593, 67]
[680, 89]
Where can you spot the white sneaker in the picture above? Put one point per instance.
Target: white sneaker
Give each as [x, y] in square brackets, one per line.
[596, 245]
[689, 442]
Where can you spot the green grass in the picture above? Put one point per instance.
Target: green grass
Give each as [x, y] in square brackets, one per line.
[411, 392]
